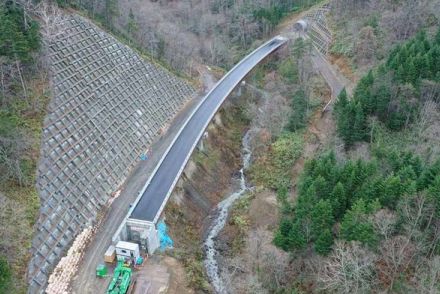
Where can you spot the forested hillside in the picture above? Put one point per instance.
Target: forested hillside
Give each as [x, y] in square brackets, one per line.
[355, 212]
[183, 33]
[366, 217]
[395, 92]
[23, 98]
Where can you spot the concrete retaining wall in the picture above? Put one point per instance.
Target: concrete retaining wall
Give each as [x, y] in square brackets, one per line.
[108, 104]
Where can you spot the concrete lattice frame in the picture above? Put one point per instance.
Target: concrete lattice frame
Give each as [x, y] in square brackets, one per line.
[108, 104]
[317, 28]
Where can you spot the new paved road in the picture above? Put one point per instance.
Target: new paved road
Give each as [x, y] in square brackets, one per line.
[162, 182]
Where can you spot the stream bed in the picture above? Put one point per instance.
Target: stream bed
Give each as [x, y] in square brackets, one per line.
[219, 220]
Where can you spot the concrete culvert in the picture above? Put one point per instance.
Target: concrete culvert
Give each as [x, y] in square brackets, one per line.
[300, 26]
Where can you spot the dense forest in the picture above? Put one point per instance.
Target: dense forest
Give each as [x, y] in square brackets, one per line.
[184, 33]
[19, 40]
[23, 100]
[394, 93]
[374, 219]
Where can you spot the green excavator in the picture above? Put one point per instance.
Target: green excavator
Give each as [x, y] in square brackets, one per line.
[121, 280]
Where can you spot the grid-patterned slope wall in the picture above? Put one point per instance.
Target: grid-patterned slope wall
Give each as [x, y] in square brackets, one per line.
[318, 31]
[108, 106]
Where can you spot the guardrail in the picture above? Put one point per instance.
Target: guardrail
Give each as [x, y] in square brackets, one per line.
[281, 41]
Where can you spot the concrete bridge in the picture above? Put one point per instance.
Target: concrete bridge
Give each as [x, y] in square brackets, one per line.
[139, 224]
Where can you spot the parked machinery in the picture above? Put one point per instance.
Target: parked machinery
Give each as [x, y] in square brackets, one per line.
[121, 279]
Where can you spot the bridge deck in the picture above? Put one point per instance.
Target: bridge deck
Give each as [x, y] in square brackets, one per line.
[150, 203]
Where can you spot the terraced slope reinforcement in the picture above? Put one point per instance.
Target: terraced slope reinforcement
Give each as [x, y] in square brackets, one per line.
[108, 105]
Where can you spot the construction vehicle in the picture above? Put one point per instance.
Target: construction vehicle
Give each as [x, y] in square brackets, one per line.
[121, 279]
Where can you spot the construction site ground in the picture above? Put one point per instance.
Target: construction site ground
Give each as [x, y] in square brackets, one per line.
[86, 282]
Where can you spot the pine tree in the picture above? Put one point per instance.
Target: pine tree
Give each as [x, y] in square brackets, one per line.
[322, 217]
[281, 238]
[428, 176]
[411, 72]
[16, 41]
[392, 191]
[393, 57]
[298, 117]
[339, 201]
[33, 36]
[383, 97]
[299, 48]
[323, 245]
[359, 124]
[321, 187]
[297, 238]
[355, 225]
[345, 124]
[434, 56]
[342, 102]
[401, 74]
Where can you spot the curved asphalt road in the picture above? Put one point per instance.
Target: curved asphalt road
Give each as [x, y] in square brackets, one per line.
[156, 192]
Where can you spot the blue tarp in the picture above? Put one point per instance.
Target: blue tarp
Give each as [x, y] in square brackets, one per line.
[164, 239]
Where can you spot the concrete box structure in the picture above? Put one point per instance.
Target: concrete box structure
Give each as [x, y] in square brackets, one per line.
[141, 232]
[127, 250]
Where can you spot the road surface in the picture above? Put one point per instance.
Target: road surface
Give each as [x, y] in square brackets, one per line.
[85, 282]
[149, 205]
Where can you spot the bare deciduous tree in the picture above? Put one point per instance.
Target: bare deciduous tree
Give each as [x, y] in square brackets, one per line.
[12, 149]
[52, 19]
[396, 255]
[365, 47]
[349, 269]
[384, 222]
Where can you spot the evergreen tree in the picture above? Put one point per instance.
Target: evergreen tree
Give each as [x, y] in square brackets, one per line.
[299, 48]
[323, 245]
[298, 117]
[345, 124]
[338, 200]
[297, 238]
[342, 102]
[322, 217]
[393, 57]
[428, 176]
[392, 191]
[5, 275]
[16, 41]
[281, 238]
[355, 225]
[359, 124]
[321, 187]
[411, 72]
[383, 97]
[401, 73]
[362, 93]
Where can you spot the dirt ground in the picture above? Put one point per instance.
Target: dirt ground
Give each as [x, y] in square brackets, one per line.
[178, 276]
